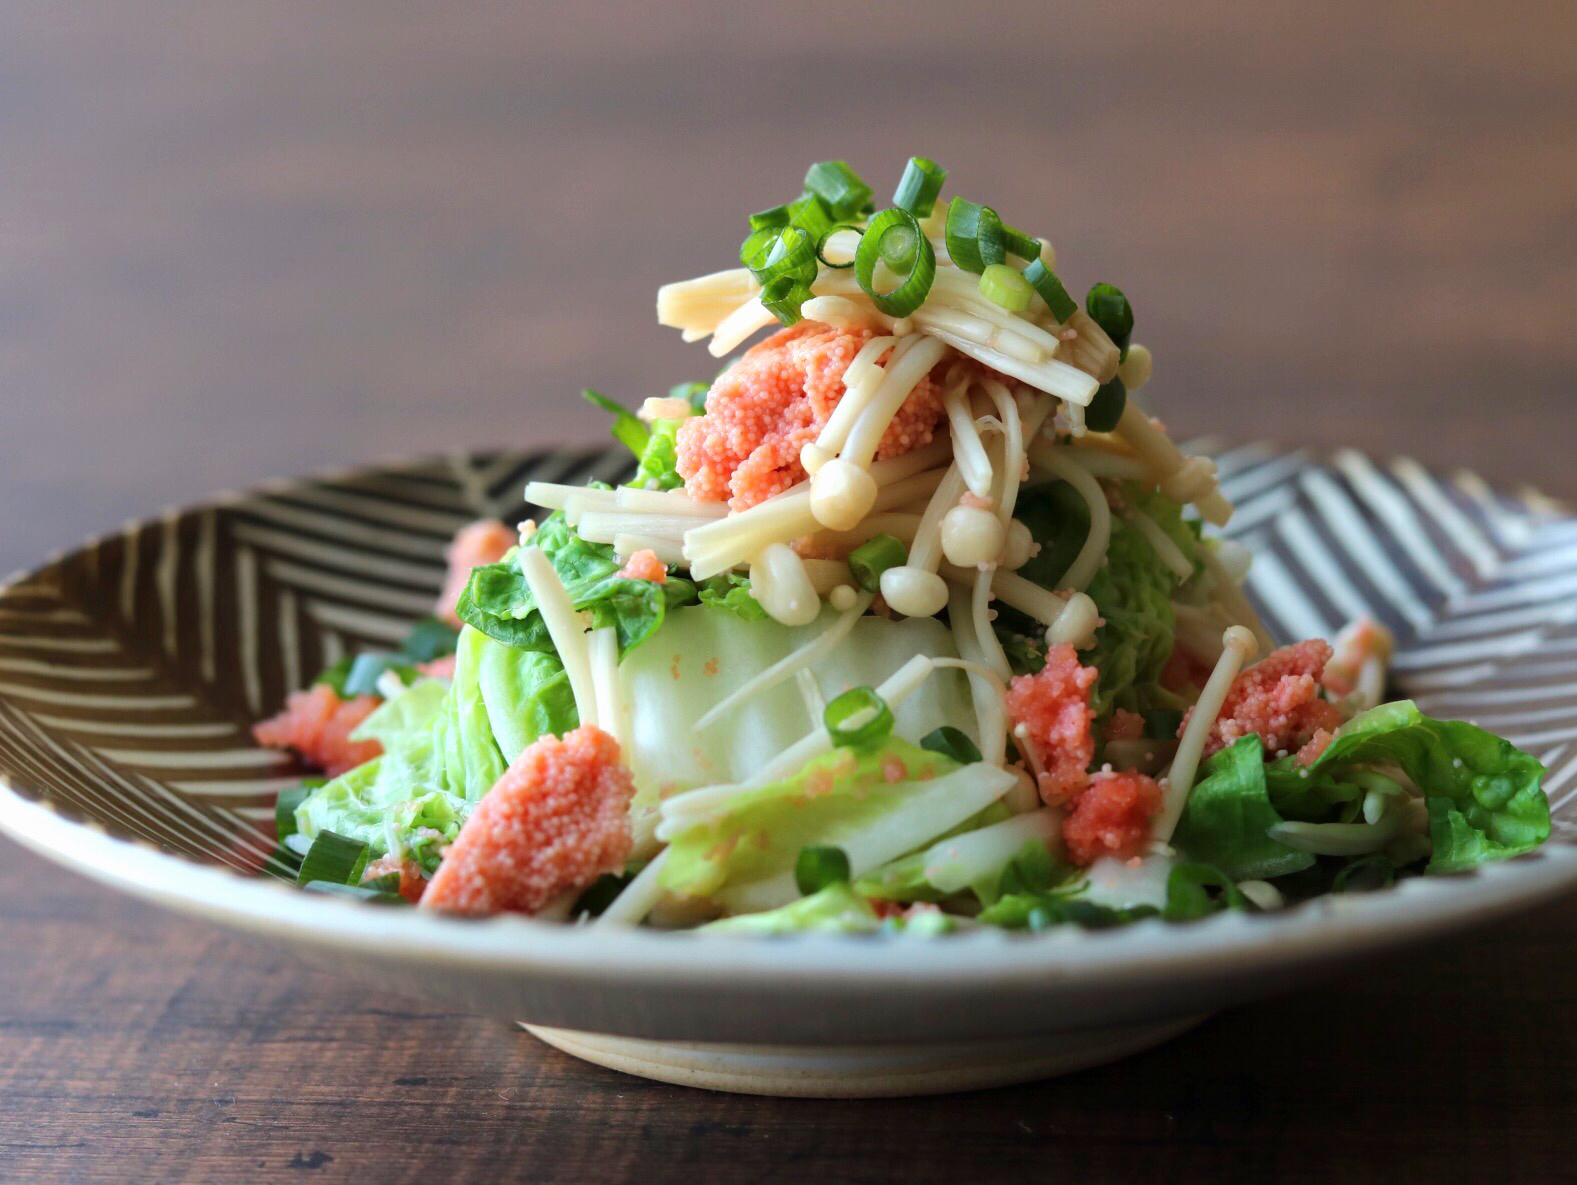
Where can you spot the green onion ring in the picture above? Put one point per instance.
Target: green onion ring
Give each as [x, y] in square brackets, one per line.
[1045, 282]
[821, 244]
[857, 718]
[783, 296]
[870, 559]
[974, 236]
[920, 186]
[951, 742]
[1109, 308]
[820, 866]
[911, 294]
[337, 858]
[839, 186]
[1107, 407]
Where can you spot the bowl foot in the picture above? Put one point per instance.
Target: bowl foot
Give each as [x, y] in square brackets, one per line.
[860, 1071]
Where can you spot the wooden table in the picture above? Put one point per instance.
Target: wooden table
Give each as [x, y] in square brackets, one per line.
[240, 241]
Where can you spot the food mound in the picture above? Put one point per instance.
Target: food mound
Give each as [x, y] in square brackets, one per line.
[912, 620]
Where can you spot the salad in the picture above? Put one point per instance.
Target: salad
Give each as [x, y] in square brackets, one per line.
[911, 620]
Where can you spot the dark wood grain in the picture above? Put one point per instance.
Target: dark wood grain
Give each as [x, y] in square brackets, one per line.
[237, 241]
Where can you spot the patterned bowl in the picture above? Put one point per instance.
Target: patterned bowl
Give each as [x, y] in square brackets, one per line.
[131, 669]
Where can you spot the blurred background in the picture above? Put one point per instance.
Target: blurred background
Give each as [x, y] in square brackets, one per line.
[238, 241]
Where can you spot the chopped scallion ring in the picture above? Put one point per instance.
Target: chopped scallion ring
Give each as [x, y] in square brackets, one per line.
[974, 236]
[1045, 282]
[812, 215]
[951, 742]
[821, 245]
[911, 294]
[335, 858]
[776, 216]
[783, 298]
[870, 559]
[920, 186]
[857, 718]
[774, 252]
[1018, 243]
[367, 669]
[820, 866]
[1107, 407]
[1004, 286]
[839, 186]
[1109, 308]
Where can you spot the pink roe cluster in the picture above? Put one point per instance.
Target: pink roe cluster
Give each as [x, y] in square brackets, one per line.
[1279, 698]
[475, 546]
[556, 820]
[317, 724]
[1051, 712]
[644, 565]
[1111, 817]
[772, 402]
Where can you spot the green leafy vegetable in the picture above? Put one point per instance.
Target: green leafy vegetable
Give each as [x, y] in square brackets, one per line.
[834, 798]
[951, 743]
[835, 909]
[1229, 815]
[627, 428]
[1133, 591]
[498, 602]
[1484, 794]
[731, 591]
[1189, 896]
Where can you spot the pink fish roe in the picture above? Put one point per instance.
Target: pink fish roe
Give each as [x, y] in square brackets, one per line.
[1053, 710]
[475, 546]
[317, 724]
[644, 565]
[555, 821]
[1112, 817]
[1278, 698]
[762, 410]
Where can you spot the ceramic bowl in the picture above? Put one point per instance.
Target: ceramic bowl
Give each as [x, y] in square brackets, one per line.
[132, 668]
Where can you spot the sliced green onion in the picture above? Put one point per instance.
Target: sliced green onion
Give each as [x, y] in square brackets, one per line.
[783, 297]
[951, 742]
[1107, 407]
[1162, 723]
[335, 858]
[780, 251]
[821, 245]
[776, 216]
[429, 639]
[812, 215]
[857, 718]
[1365, 875]
[920, 186]
[359, 892]
[285, 807]
[1004, 286]
[974, 236]
[911, 293]
[1045, 282]
[367, 669]
[1109, 308]
[870, 559]
[820, 866]
[1025, 246]
[899, 247]
[839, 186]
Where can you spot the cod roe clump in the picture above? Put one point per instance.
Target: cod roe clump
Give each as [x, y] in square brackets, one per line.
[475, 546]
[317, 723]
[1278, 698]
[1051, 711]
[555, 821]
[772, 402]
[1111, 818]
[644, 565]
